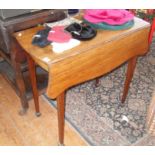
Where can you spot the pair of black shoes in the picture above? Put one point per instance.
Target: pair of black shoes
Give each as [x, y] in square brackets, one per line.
[81, 31]
[78, 31]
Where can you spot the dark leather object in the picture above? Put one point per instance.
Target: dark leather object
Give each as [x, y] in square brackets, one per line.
[81, 31]
[40, 38]
[13, 24]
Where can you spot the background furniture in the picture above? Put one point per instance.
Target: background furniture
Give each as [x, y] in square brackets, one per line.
[14, 67]
[147, 15]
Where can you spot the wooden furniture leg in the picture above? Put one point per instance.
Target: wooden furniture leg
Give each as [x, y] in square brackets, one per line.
[32, 73]
[97, 82]
[21, 87]
[129, 75]
[61, 114]
[16, 64]
[152, 31]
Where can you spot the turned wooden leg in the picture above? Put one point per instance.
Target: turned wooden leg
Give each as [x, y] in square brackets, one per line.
[32, 73]
[97, 82]
[21, 87]
[61, 114]
[129, 75]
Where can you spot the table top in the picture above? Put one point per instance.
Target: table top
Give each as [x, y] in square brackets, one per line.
[46, 56]
[90, 59]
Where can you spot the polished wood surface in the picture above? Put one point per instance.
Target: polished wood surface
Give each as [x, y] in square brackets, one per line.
[129, 75]
[95, 62]
[61, 113]
[33, 79]
[29, 130]
[103, 37]
[106, 51]
[89, 60]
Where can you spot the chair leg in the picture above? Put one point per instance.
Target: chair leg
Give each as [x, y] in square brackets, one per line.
[152, 31]
[129, 75]
[16, 64]
[61, 114]
[21, 87]
[32, 73]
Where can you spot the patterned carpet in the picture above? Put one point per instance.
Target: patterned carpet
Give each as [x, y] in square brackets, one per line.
[96, 111]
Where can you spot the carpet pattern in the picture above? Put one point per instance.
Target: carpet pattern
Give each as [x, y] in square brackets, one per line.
[96, 112]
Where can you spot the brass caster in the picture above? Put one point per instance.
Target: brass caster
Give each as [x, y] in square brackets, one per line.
[23, 111]
[59, 144]
[122, 104]
[38, 114]
[97, 82]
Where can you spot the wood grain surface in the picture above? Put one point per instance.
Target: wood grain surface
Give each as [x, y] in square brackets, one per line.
[90, 59]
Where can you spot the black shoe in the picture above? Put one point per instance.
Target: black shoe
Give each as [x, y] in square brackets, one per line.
[81, 31]
[40, 38]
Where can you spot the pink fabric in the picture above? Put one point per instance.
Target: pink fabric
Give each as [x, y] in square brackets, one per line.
[109, 16]
[57, 34]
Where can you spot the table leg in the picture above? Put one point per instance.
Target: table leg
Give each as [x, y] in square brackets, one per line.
[61, 114]
[32, 72]
[129, 75]
[97, 82]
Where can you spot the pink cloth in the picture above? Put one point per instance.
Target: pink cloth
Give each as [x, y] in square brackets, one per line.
[109, 16]
[57, 34]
